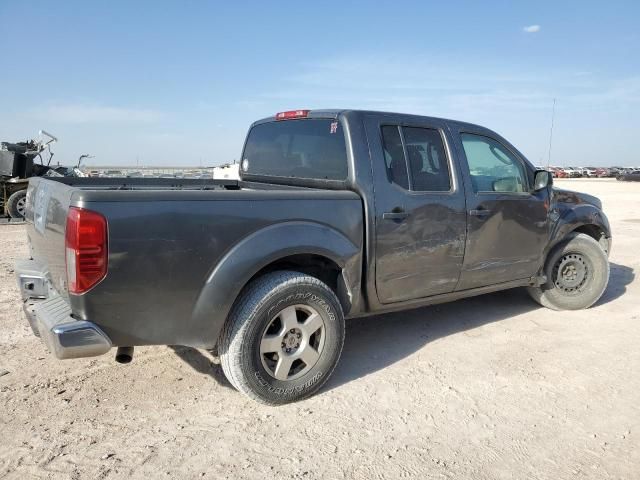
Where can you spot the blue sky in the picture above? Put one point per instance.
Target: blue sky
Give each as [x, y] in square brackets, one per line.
[178, 83]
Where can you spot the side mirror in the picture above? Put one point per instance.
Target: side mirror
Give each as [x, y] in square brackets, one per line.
[542, 180]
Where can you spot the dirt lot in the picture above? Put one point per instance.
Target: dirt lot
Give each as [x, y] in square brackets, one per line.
[490, 387]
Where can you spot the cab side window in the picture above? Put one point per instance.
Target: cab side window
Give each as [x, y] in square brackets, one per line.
[493, 168]
[394, 156]
[426, 160]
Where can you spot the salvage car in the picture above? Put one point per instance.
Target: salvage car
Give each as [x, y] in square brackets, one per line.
[17, 165]
[337, 214]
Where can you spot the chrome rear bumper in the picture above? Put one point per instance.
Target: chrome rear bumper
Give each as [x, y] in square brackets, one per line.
[49, 316]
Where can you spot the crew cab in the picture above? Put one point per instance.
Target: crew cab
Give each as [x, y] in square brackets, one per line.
[337, 214]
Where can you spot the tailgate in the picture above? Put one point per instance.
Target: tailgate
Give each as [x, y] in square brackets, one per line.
[46, 215]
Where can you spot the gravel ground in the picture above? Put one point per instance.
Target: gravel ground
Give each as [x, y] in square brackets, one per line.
[489, 387]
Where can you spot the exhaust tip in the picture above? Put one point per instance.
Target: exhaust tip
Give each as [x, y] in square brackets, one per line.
[124, 354]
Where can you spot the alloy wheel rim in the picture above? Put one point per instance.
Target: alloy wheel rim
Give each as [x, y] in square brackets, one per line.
[292, 342]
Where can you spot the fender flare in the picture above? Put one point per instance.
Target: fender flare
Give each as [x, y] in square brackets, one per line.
[574, 218]
[258, 250]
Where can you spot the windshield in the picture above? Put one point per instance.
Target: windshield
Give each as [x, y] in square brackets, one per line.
[309, 148]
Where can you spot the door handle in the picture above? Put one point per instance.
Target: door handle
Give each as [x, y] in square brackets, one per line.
[480, 212]
[395, 215]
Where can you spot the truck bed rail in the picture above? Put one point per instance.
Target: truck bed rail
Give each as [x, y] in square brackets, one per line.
[126, 183]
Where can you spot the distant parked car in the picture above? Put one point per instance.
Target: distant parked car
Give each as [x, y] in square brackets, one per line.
[632, 176]
[558, 172]
[572, 172]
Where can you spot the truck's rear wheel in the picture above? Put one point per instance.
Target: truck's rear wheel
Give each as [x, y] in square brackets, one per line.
[577, 273]
[17, 203]
[283, 338]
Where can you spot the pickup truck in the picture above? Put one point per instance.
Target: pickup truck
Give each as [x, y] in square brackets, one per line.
[337, 214]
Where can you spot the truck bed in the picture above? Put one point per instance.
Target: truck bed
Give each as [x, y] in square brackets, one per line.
[165, 239]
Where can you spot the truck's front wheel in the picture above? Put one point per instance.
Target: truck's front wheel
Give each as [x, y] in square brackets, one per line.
[577, 272]
[283, 338]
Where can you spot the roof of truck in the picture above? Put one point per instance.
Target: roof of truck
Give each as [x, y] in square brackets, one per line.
[335, 112]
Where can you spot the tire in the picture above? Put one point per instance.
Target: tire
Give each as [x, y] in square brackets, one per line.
[283, 338]
[16, 204]
[577, 273]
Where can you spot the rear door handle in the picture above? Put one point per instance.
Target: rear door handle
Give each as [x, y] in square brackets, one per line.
[480, 212]
[395, 215]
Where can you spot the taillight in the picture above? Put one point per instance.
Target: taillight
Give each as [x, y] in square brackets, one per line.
[292, 114]
[86, 249]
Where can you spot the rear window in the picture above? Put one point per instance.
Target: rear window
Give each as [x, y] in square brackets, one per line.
[309, 148]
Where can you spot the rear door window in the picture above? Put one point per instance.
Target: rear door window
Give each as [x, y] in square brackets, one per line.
[422, 151]
[306, 148]
[394, 156]
[427, 160]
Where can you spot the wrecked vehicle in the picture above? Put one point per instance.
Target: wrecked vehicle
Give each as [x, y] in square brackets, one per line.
[17, 165]
[337, 214]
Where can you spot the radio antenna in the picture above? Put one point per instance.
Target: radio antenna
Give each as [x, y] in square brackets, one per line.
[553, 114]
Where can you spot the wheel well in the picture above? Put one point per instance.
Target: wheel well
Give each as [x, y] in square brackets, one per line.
[322, 268]
[595, 232]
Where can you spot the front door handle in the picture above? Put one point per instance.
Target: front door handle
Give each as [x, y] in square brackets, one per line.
[395, 215]
[480, 212]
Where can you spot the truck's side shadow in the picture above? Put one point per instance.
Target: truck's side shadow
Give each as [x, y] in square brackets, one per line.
[374, 343]
[202, 361]
[620, 276]
[377, 342]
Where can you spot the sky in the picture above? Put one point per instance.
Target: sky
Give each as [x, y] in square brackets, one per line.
[179, 83]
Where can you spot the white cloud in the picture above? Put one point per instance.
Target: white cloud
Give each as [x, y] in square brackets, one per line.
[531, 29]
[91, 113]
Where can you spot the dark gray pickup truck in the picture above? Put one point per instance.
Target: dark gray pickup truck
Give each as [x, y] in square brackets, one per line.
[337, 214]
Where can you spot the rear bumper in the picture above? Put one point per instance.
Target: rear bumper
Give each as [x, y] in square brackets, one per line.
[49, 316]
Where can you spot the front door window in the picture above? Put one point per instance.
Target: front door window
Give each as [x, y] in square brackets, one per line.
[492, 167]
